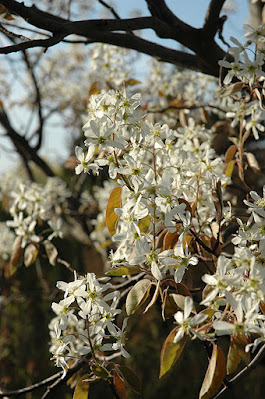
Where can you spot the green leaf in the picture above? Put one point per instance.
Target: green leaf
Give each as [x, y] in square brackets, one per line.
[171, 351]
[30, 254]
[137, 295]
[51, 252]
[111, 216]
[123, 270]
[100, 372]
[131, 82]
[229, 168]
[82, 388]
[129, 377]
[144, 224]
[214, 375]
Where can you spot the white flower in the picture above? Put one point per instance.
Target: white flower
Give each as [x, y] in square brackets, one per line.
[186, 322]
[184, 258]
[258, 206]
[84, 165]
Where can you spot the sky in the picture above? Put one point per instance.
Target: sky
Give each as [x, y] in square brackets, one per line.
[190, 11]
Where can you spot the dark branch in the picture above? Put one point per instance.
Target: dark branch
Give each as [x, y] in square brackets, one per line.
[34, 16]
[61, 381]
[115, 31]
[22, 146]
[39, 130]
[32, 43]
[251, 366]
[211, 22]
[33, 387]
[111, 9]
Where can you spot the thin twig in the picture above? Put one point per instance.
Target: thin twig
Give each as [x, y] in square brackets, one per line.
[33, 387]
[67, 265]
[111, 9]
[204, 246]
[246, 370]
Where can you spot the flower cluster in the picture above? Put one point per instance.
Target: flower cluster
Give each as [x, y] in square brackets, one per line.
[247, 70]
[32, 203]
[161, 171]
[239, 280]
[85, 321]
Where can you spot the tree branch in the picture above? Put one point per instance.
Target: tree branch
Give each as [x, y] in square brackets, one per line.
[61, 381]
[22, 146]
[39, 130]
[211, 22]
[32, 43]
[34, 16]
[163, 22]
[251, 366]
[33, 387]
[111, 9]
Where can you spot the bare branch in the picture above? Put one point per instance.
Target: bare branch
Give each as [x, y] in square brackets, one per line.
[212, 19]
[33, 387]
[111, 9]
[39, 131]
[31, 44]
[22, 146]
[163, 22]
[61, 381]
[34, 16]
[246, 370]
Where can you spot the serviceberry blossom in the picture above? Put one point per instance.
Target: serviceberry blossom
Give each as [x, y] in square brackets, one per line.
[85, 321]
[34, 204]
[186, 322]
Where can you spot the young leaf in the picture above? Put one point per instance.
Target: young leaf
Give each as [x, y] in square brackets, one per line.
[231, 89]
[153, 300]
[229, 155]
[170, 240]
[17, 252]
[214, 375]
[94, 89]
[119, 386]
[229, 168]
[169, 306]
[30, 254]
[100, 371]
[237, 353]
[138, 294]
[144, 224]
[82, 388]
[51, 252]
[170, 352]
[131, 82]
[123, 270]
[245, 136]
[253, 163]
[111, 216]
[129, 377]
[4, 13]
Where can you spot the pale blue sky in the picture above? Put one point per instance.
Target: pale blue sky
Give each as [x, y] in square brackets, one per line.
[190, 11]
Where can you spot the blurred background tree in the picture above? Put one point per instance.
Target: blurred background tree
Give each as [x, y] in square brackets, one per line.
[50, 67]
